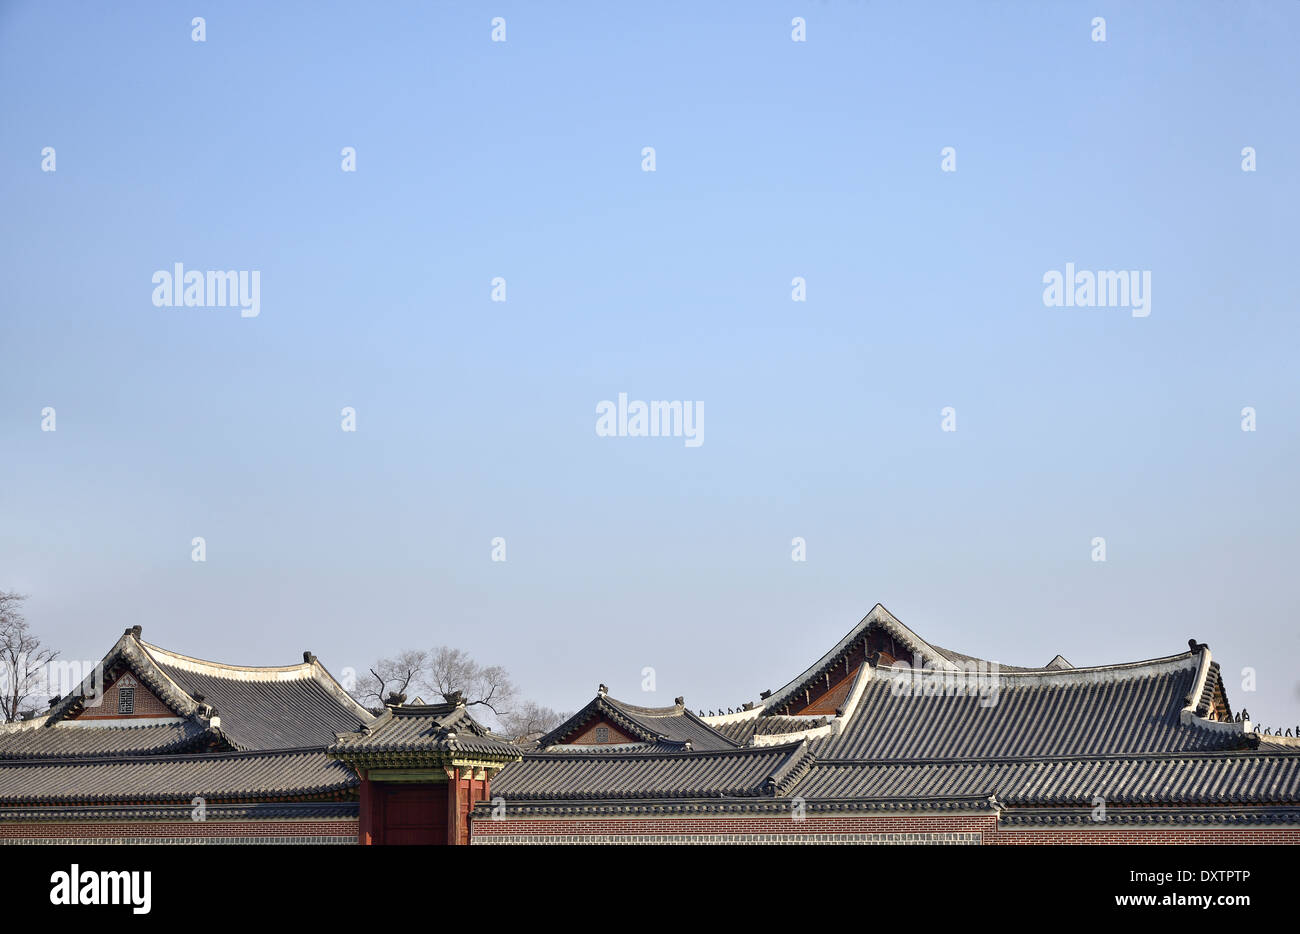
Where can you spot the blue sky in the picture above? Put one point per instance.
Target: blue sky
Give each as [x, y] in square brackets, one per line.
[475, 419]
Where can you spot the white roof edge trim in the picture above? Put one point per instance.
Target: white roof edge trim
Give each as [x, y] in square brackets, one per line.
[201, 666]
[116, 723]
[312, 670]
[781, 739]
[855, 696]
[718, 719]
[878, 616]
[1188, 715]
[1100, 674]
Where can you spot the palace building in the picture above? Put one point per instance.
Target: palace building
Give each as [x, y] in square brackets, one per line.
[885, 739]
[159, 747]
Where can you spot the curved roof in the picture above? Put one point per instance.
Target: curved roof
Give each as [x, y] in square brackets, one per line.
[60, 742]
[667, 727]
[1216, 778]
[267, 708]
[1136, 708]
[213, 777]
[251, 708]
[422, 729]
[1156, 732]
[755, 771]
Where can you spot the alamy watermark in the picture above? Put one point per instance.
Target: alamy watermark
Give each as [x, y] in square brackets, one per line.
[1107, 288]
[658, 419]
[973, 678]
[58, 678]
[214, 288]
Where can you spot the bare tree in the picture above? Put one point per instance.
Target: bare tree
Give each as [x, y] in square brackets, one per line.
[443, 673]
[390, 677]
[452, 671]
[22, 657]
[528, 721]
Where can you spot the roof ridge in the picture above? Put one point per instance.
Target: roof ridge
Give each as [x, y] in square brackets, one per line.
[129, 650]
[164, 757]
[215, 669]
[878, 617]
[660, 754]
[309, 669]
[1063, 675]
[652, 712]
[1080, 757]
[708, 726]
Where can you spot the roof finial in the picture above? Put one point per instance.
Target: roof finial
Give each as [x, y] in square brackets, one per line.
[308, 658]
[602, 690]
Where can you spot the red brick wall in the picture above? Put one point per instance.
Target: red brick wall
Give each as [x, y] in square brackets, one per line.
[147, 704]
[100, 830]
[985, 826]
[588, 736]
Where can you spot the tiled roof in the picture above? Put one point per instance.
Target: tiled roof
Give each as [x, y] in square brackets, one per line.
[284, 717]
[267, 708]
[768, 770]
[1119, 709]
[1216, 778]
[55, 741]
[742, 731]
[259, 708]
[879, 618]
[1136, 734]
[213, 777]
[423, 729]
[1139, 733]
[663, 726]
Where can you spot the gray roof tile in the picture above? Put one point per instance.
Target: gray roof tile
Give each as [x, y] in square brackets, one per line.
[213, 777]
[1215, 778]
[1043, 714]
[53, 741]
[748, 772]
[424, 728]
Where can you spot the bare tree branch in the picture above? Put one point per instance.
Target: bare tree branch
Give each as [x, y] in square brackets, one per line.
[530, 721]
[22, 657]
[444, 672]
[390, 676]
[453, 670]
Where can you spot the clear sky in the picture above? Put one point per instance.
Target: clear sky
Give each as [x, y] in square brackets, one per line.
[476, 419]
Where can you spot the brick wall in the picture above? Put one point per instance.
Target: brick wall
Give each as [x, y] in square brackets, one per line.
[848, 829]
[342, 830]
[146, 704]
[588, 736]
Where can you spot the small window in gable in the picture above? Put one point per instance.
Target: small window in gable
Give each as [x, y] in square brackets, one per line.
[126, 700]
[602, 734]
